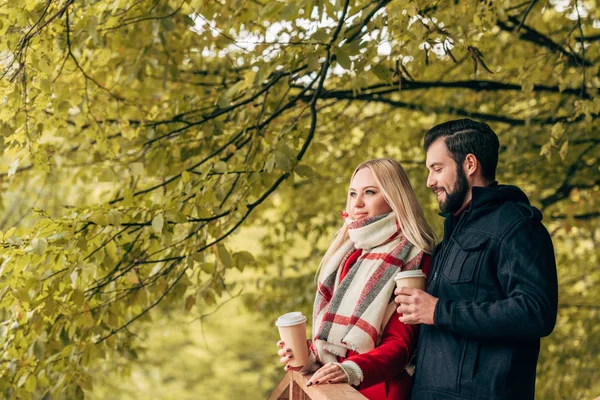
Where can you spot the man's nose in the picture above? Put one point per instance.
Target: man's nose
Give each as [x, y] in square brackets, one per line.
[430, 181]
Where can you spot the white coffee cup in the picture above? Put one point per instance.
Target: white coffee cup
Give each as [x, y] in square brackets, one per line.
[413, 279]
[292, 330]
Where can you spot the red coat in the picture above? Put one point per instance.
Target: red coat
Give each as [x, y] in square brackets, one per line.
[384, 376]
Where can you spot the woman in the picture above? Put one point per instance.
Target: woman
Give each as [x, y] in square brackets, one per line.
[357, 337]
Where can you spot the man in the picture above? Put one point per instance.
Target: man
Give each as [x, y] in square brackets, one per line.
[492, 291]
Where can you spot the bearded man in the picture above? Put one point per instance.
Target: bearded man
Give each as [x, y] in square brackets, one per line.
[492, 291]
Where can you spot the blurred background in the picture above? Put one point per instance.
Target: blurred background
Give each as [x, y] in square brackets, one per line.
[172, 172]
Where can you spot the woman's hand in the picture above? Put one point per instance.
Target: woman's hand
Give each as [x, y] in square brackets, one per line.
[328, 373]
[286, 355]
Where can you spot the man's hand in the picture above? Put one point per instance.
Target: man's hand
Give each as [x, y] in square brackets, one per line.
[416, 306]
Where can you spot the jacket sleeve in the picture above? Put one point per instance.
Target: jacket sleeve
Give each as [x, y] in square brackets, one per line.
[388, 359]
[526, 271]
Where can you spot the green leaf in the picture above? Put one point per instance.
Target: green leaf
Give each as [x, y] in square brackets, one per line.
[157, 223]
[190, 301]
[39, 246]
[176, 216]
[167, 24]
[383, 73]
[289, 11]
[220, 167]
[343, 59]
[208, 297]
[99, 218]
[313, 62]
[115, 217]
[137, 169]
[127, 197]
[228, 94]
[208, 267]
[304, 171]
[188, 20]
[320, 36]
[225, 257]
[283, 161]
[242, 259]
[39, 349]
[270, 164]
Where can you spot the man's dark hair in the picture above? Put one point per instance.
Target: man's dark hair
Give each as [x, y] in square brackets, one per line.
[465, 136]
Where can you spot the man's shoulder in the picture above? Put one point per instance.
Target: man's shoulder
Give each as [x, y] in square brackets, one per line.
[516, 211]
[498, 221]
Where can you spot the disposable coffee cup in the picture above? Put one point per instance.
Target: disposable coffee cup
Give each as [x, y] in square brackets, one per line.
[413, 279]
[292, 330]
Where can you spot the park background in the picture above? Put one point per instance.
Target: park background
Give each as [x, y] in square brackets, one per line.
[172, 171]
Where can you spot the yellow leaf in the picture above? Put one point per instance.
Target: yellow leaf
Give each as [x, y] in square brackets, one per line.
[563, 150]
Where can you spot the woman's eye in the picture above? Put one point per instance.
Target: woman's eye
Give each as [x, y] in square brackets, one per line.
[370, 192]
[352, 194]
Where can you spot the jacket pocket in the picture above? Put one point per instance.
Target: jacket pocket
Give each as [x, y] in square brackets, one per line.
[467, 251]
[483, 370]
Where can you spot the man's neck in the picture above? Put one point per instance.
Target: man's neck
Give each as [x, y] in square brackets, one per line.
[463, 208]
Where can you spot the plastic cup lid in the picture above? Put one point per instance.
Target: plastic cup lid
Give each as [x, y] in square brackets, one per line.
[417, 273]
[291, 318]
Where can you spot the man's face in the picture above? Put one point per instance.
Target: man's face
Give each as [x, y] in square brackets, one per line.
[447, 179]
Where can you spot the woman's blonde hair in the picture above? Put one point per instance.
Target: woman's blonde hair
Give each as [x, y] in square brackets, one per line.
[400, 196]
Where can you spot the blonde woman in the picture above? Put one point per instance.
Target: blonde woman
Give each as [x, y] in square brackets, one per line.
[357, 336]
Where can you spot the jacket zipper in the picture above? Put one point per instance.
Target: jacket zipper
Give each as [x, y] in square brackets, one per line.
[435, 265]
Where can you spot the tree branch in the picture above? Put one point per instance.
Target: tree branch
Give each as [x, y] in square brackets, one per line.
[533, 36]
[358, 28]
[474, 85]
[376, 98]
[581, 217]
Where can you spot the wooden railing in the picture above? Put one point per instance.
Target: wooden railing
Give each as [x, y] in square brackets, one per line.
[293, 387]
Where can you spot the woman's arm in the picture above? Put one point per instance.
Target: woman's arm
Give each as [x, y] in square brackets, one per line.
[388, 359]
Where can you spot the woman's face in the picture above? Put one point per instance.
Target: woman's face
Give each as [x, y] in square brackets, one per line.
[365, 199]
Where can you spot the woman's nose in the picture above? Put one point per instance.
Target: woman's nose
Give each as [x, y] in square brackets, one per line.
[359, 201]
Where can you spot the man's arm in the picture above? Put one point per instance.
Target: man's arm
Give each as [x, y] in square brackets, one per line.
[527, 274]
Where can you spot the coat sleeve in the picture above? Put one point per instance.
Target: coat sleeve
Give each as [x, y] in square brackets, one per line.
[526, 271]
[388, 359]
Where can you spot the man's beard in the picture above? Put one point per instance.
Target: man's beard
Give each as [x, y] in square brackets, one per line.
[455, 199]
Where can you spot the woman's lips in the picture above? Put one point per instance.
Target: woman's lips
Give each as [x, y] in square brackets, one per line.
[360, 215]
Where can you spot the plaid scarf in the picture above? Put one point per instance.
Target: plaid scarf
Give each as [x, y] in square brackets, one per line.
[352, 314]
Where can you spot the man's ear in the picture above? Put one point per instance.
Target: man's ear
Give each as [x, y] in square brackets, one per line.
[471, 165]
